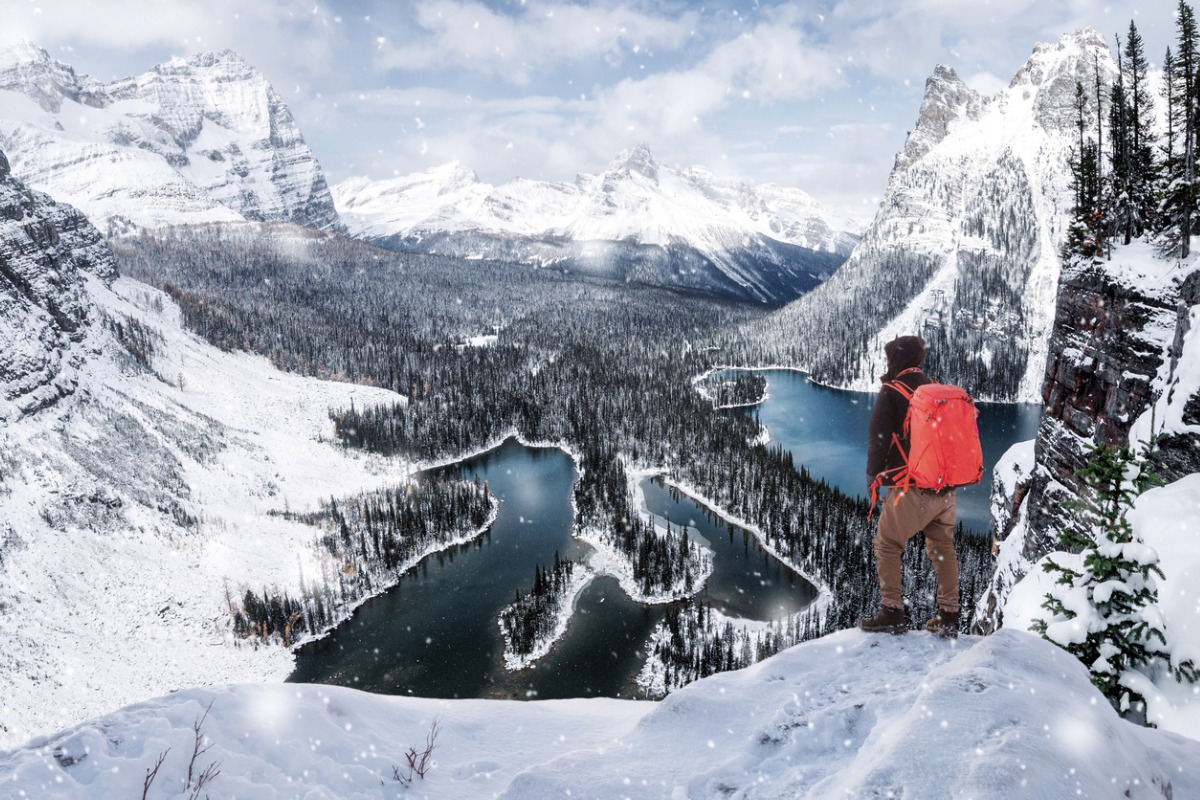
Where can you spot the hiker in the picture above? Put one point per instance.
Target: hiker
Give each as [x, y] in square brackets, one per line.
[914, 509]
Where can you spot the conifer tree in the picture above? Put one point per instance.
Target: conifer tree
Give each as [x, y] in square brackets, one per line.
[1117, 188]
[1177, 208]
[1086, 231]
[1139, 115]
[1103, 606]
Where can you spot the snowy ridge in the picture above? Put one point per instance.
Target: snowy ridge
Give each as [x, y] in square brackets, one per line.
[851, 715]
[205, 139]
[140, 475]
[964, 249]
[637, 209]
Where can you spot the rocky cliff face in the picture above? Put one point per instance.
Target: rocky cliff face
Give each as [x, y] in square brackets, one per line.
[638, 221]
[964, 249]
[947, 99]
[198, 140]
[47, 250]
[1124, 361]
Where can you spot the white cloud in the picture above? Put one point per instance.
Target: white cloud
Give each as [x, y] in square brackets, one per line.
[433, 98]
[766, 65]
[985, 83]
[539, 36]
[816, 97]
[282, 37]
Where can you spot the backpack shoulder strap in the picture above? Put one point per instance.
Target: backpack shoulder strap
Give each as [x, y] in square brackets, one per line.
[902, 388]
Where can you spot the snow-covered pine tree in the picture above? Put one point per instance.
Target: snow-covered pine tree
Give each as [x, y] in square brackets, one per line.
[1104, 604]
[1087, 231]
[1117, 189]
[1139, 133]
[1178, 191]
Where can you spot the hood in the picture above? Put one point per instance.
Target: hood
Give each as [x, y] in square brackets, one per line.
[903, 353]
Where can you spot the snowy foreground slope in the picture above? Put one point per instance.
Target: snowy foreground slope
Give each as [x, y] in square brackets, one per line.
[850, 715]
[129, 506]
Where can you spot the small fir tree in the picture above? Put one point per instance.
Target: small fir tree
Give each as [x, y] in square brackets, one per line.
[1105, 612]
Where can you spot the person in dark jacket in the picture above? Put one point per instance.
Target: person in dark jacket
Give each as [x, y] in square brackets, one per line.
[914, 510]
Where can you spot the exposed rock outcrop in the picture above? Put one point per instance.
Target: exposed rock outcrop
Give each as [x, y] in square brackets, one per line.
[947, 99]
[1123, 363]
[46, 252]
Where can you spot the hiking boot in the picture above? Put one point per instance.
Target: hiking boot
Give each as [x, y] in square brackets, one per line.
[944, 624]
[888, 620]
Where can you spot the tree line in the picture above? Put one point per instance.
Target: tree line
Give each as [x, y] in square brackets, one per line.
[366, 543]
[1129, 180]
[532, 616]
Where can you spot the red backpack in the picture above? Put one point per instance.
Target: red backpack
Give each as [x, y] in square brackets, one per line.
[943, 439]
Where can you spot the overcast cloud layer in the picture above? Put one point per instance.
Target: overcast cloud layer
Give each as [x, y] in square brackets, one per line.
[815, 95]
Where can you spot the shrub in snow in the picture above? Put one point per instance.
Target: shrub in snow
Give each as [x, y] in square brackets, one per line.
[1104, 605]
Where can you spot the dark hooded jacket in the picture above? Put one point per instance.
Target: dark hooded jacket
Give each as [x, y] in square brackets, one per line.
[891, 407]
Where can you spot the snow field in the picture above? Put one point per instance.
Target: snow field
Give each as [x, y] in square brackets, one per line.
[850, 715]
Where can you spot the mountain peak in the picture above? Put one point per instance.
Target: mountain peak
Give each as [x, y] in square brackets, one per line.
[635, 159]
[29, 69]
[947, 98]
[224, 61]
[1050, 59]
[23, 51]
[455, 172]
[1053, 69]
[210, 138]
[222, 58]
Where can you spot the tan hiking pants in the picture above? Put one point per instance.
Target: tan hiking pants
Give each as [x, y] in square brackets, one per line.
[917, 510]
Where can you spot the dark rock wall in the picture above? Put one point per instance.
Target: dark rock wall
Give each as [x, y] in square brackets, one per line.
[1112, 342]
[45, 250]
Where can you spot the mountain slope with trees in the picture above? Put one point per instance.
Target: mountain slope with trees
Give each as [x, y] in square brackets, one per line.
[964, 249]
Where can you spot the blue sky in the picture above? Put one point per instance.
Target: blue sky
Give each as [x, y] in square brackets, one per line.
[817, 95]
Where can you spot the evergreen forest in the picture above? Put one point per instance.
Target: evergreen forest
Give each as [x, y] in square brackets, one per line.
[604, 369]
[366, 543]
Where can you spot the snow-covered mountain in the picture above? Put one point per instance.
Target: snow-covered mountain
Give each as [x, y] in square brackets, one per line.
[964, 249]
[140, 470]
[198, 140]
[638, 220]
[853, 715]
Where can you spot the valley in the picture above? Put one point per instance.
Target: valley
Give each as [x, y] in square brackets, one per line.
[422, 452]
[608, 379]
